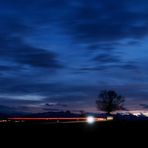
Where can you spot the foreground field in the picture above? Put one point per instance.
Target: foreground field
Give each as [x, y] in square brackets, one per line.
[70, 128]
[60, 134]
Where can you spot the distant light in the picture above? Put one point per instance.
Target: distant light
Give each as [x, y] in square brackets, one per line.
[90, 119]
[110, 118]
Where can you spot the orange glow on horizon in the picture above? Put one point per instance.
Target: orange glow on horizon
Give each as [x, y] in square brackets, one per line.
[55, 119]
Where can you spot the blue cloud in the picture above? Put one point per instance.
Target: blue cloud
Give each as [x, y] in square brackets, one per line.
[69, 50]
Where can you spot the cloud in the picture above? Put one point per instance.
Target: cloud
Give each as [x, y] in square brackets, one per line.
[14, 29]
[107, 58]
[90, 69]
[106, 21]
[145, 106]
[52, 109]
[8, 68]
[8, 101]
[22, 86]
[7, 110]
[128, 66]
[38, 58]
[14, 26]
[107, 63]
[55, 104]
[85, 21]
[40, 40]
[16, 51]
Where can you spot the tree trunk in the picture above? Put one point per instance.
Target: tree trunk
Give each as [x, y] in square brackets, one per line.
[108, 113]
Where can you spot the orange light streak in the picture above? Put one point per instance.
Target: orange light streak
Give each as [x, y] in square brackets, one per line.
[54, 119]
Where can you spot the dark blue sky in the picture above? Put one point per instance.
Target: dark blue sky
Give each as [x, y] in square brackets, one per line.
[58, 54]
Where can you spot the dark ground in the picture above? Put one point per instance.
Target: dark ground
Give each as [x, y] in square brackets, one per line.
[109, 127]
[63, 133]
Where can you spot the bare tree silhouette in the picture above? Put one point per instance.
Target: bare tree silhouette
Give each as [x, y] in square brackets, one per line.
[109, 101]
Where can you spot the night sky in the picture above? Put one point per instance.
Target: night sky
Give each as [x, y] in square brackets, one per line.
[59, 54]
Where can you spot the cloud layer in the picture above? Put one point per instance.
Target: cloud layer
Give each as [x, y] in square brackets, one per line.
[65, 52]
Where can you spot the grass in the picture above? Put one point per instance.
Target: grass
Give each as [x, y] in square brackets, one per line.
[62, 133]
[108, 126]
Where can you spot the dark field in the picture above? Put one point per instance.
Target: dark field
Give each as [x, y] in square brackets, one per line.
[112, 133]
[95, 129]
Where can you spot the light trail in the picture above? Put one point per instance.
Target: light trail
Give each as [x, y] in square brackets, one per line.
[55, 119]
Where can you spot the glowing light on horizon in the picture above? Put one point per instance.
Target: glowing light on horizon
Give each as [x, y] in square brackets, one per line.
[90, 119]
[109, 118]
